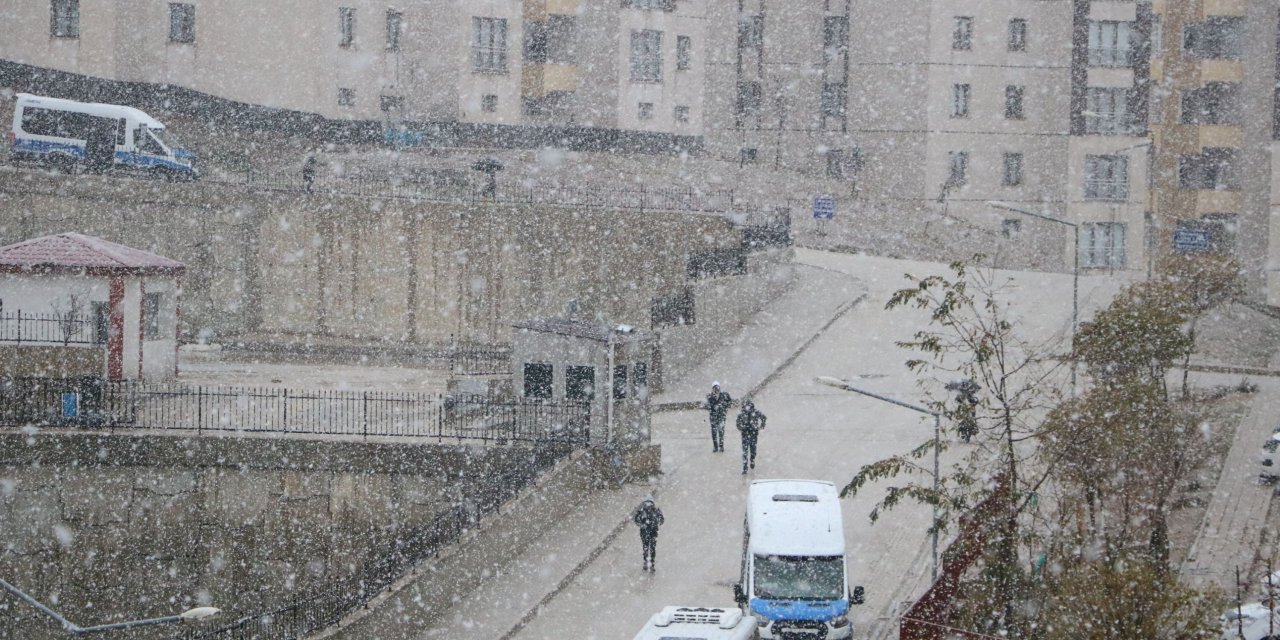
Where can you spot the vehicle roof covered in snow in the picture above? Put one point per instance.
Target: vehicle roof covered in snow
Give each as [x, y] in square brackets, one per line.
[91, 107]
[795, 518]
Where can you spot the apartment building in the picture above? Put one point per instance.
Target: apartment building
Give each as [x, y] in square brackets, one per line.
[635, 64]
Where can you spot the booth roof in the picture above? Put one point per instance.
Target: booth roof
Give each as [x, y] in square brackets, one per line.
[75, 252]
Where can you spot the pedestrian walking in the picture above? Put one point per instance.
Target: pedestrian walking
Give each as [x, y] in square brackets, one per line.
[750, 424]
[309, 173]
[648, 517]
[718, 406]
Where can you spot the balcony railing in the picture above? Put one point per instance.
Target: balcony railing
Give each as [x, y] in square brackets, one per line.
[50, 329]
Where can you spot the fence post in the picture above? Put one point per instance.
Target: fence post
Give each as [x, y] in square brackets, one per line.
[199, 410]
[284, 406]
[364, 410]
[19, 326]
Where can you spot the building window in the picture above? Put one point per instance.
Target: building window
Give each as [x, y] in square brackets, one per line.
[346, 26]
[537, 380]
[620, 382]
[645, 111]
[673, 310]
[395, 21]
[640, 377]
[580, 383]
[64, 18]
[959, 101]
[681, 113]
[1215, 168]
[1017, 34]
[962, 33]
[1110, 43]
[1216, 37]
[650, 5]
[751, 31]
[101, 321]
[1157, 36]
[346, 97]
[1102, 245]
[551, 40]
[684, 53]
[834, 99]
[151, 316]
[836, 164]
[1012, 169]
[1013, 102]
[1214, 103]
[489, 44]
[1106, 177]
[1010, 227]
[646, 56]
[389, 104]
[749, 97]
[1108, 110]
[747, 155]
[489, 103]
[182, 22]
[958, 161]
[835, 38]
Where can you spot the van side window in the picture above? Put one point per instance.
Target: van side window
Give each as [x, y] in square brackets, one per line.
[40, 122]
[147, 143]
[121, 132]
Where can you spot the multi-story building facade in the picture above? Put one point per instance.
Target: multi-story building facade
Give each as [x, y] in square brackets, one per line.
[635, 65]
[1129, 119]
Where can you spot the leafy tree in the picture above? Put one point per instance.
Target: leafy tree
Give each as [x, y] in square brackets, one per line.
[970, 336]
[1198, 283]
[1119, 596]
[1139, 336]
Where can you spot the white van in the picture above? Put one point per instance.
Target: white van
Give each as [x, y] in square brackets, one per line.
[67, 133]
[698, 623]
[793, 565]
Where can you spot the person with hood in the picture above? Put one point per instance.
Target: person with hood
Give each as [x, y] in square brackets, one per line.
[309, 173]
[648, 517]
[718, 406]
[750, 424]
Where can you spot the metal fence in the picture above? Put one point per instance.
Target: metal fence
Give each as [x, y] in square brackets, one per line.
[53, 328]
[390, 560]
[92, 402]
[641, 198]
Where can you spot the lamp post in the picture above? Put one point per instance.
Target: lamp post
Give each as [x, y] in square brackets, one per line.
[937, 433]
[1075, 275]
[191, 615]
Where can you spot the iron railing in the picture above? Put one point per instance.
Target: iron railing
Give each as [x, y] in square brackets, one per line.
[52, 329]
[640, 198]
[92, 402]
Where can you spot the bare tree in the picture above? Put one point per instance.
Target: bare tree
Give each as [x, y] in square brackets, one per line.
[70, 321]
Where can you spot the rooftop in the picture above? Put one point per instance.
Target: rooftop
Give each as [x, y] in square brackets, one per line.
[581, 329]
[80, 253]
[795, 518]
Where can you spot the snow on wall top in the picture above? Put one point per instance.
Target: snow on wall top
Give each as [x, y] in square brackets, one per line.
[80, 253]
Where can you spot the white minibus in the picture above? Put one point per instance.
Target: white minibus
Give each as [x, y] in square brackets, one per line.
[66, 133]
[793, 564]
[698, 623]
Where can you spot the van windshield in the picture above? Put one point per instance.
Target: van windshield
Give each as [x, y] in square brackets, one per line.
[799, 577]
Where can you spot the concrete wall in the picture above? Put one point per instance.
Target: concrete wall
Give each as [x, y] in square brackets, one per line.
[147, 526]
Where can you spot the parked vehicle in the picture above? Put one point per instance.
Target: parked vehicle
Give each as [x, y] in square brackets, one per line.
[1270, 470]
[793, 579]
[698, 623]
[69, 134]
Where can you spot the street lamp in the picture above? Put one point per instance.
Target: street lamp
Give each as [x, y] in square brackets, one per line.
[937, 432]
[191, 615]
[1075, 276]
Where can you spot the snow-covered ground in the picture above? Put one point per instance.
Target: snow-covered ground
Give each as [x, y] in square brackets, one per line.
[814, 431]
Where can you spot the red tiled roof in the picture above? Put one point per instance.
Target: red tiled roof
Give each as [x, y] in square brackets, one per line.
[76, 252]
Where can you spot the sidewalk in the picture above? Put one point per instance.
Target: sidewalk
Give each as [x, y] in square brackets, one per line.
[770, 340]
[1236, 517]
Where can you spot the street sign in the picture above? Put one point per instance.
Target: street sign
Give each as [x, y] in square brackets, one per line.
[824, 208]
[1190, 240]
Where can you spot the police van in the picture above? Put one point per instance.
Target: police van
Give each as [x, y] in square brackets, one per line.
[67, 134]
[793, 579]
[698, 623]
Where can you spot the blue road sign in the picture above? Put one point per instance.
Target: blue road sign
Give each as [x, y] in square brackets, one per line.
[1190, 240]
[824, 208]
[70, 405]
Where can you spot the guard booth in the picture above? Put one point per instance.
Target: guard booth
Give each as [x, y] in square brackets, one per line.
[567, 360]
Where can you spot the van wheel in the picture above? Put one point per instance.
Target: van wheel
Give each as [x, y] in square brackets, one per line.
[162, 174]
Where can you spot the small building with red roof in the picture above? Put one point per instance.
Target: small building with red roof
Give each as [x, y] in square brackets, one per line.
[71, 298]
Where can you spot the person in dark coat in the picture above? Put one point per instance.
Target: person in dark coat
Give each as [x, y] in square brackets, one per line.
[750, 423]
[718, 406]
[648, 517]
[309, 172]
